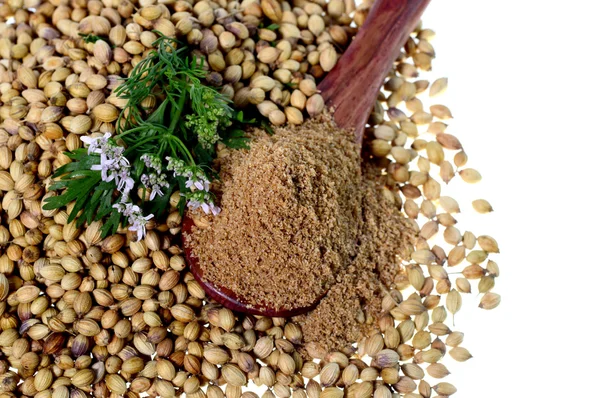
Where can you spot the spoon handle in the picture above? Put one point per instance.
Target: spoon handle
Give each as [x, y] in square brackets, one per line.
[352, 86]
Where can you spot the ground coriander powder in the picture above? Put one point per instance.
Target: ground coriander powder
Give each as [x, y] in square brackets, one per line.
[303, 217]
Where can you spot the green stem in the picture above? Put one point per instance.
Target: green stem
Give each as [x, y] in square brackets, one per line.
[142, 142]
[133, 130]
[161, 150]
[176, 116]
[178, 111]
[183, 149]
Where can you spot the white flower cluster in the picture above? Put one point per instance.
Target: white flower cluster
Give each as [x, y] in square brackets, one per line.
[197, 182]
[114, 166]
[198, 199]
[135, 217]
[155, 180]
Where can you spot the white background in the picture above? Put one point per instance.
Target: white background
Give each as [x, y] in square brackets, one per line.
[524, 83]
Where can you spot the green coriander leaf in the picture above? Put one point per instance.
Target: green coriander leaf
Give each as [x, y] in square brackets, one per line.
[55, 202]
[111, 224]
[81, 194]
[267, 127]
[106, 205]
[236, 139]
[90, 38]
[82, 161]
[75, 189]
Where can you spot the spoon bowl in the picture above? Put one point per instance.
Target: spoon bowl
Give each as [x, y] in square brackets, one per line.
[225, 296]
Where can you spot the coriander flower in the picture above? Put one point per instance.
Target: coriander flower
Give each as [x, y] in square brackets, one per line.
[201, 184]
[106, 165]
[123, 207]
[126, 183]
[195, 176]
[197, 182]
[152, 161]
[200, 199]
[138, 224]
[204, 127]
[156, 182]
[134, 215]
[115, 168]
[210, 208]
[177, 166]
[113, 164]
[126, 208]
[96, 143]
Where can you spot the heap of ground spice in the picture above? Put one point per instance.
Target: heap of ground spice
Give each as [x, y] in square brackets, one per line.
[353, 303]
[303, 216]
[290, 216]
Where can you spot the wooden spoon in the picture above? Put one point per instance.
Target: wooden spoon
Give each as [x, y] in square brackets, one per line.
[351, 88]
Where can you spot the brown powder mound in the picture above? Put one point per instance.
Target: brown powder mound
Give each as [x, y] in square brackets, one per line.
[301, 216]
[290, 216]
[354, 301]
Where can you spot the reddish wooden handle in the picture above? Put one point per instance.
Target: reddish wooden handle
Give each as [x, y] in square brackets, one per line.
[352, 86]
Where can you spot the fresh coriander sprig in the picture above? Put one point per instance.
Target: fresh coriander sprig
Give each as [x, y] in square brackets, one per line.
[189, 111]
[127, 179]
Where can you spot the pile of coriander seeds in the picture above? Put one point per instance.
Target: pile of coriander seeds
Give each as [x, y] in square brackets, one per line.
[85, 316]
[260, 53]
